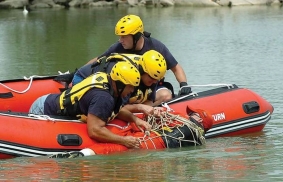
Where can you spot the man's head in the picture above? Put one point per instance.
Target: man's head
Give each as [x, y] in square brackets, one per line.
[152, 67]
[126, 77]
[130, 29]
[206, 119]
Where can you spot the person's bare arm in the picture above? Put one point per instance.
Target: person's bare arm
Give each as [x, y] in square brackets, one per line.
[126, 115]
[92, 60]
[179, 73]
[140, 108]
[97, 131]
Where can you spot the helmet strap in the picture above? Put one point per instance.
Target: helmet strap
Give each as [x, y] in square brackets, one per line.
[136, 38]
[141, 70]
[120, 87]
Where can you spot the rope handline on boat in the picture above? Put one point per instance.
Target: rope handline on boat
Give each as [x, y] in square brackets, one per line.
[166, 106]
[24, 91]
[31, 79]
[229, 86]
[41, 117]
[50, 118]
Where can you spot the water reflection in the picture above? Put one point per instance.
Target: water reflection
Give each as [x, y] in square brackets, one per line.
[220, 159]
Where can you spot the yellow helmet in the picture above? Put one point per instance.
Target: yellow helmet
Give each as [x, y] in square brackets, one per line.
[125, 72]
[154, 64]
[129, 25]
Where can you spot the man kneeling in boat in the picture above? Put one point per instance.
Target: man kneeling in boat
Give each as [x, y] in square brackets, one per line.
[99, 97]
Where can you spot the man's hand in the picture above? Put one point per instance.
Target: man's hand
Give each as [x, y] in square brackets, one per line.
[158, 111]
[142, 124]
[146, 109]
[131, 142]
[184, 89]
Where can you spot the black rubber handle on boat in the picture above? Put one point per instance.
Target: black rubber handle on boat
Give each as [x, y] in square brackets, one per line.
[6, 95]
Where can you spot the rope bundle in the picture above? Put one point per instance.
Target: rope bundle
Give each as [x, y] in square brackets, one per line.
[174, 127]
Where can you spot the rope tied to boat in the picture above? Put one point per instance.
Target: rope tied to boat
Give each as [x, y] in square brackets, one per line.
[166, 106]
[29, 85]
[176, 131]
[41, 117]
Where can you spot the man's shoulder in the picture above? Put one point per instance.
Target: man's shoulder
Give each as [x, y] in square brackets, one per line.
[100, 92]
[52, 97]
[117, 46]
[154, 40]
[97, 94]
[158, 45]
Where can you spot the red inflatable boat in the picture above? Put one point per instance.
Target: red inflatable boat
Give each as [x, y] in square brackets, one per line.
[234, 110]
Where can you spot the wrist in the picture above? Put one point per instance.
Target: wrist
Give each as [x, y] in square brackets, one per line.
[139, 107]
[135, 118]
[183, 84]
